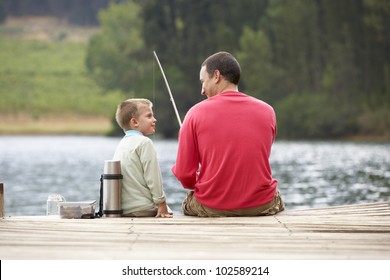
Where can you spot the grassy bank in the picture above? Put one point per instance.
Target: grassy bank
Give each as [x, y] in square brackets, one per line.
[45, 87]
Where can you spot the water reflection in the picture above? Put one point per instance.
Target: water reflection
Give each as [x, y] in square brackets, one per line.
[310, 174]
[315, 174]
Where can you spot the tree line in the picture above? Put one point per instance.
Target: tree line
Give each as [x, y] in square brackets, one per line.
[324, 65]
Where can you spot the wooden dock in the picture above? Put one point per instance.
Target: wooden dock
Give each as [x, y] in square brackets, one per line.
[345, 232]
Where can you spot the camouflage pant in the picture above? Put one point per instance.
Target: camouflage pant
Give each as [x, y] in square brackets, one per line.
[191, 207]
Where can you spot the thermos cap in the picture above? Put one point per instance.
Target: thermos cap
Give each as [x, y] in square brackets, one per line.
[112, 167]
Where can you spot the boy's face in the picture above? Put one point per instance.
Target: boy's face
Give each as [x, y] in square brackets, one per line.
[145, 121]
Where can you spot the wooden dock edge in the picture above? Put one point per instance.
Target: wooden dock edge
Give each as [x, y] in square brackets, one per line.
[350, 232]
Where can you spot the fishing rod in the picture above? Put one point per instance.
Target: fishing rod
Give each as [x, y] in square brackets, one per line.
[169, 90]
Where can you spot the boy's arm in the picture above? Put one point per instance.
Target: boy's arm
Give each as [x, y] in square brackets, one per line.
[152, 173]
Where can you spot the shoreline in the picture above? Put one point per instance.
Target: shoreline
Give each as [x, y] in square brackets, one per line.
[64, 125]
[21, 125]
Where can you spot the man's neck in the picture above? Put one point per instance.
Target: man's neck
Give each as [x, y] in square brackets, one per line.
[228, 87]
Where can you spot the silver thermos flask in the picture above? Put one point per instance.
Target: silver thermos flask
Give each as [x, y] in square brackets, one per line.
[112, 188]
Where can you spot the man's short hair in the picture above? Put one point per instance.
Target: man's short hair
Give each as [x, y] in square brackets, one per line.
[226, 64]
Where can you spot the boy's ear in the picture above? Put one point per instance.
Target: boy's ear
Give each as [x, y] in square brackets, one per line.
[133, 122]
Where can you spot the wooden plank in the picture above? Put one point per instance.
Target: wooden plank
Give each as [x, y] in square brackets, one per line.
[343, 232]
[379, 208]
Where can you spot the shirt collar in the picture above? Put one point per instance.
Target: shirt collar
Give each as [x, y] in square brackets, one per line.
[132, 133]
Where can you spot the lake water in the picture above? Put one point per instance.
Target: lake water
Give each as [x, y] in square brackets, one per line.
[310, 174]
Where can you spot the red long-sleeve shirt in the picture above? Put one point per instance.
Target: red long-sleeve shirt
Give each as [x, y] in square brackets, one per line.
[223, 153]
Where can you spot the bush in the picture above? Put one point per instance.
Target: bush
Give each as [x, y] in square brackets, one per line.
[375, 122]
[315, 116]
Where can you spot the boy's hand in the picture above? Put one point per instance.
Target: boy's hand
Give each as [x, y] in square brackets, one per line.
[164, 215]
[162, 211]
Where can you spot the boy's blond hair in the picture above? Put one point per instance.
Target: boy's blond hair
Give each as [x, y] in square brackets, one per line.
[128, 109]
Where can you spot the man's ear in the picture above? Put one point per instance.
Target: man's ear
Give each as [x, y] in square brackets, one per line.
[217, 75]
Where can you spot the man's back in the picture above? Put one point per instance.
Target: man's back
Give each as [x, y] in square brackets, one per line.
[232, 134]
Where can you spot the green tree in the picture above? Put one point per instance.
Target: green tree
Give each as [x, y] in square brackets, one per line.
[314, 116]
[261, 77]
[184, 33]
[116, 55]
[294, 31]
[295, 55]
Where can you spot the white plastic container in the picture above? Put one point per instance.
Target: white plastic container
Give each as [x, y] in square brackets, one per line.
[52, 203]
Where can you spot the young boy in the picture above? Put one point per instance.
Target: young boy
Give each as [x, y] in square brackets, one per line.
[142, 189]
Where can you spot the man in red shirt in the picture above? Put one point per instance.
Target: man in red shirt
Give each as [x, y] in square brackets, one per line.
[224, 148]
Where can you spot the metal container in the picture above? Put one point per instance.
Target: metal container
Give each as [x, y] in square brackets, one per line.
[112, 189]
